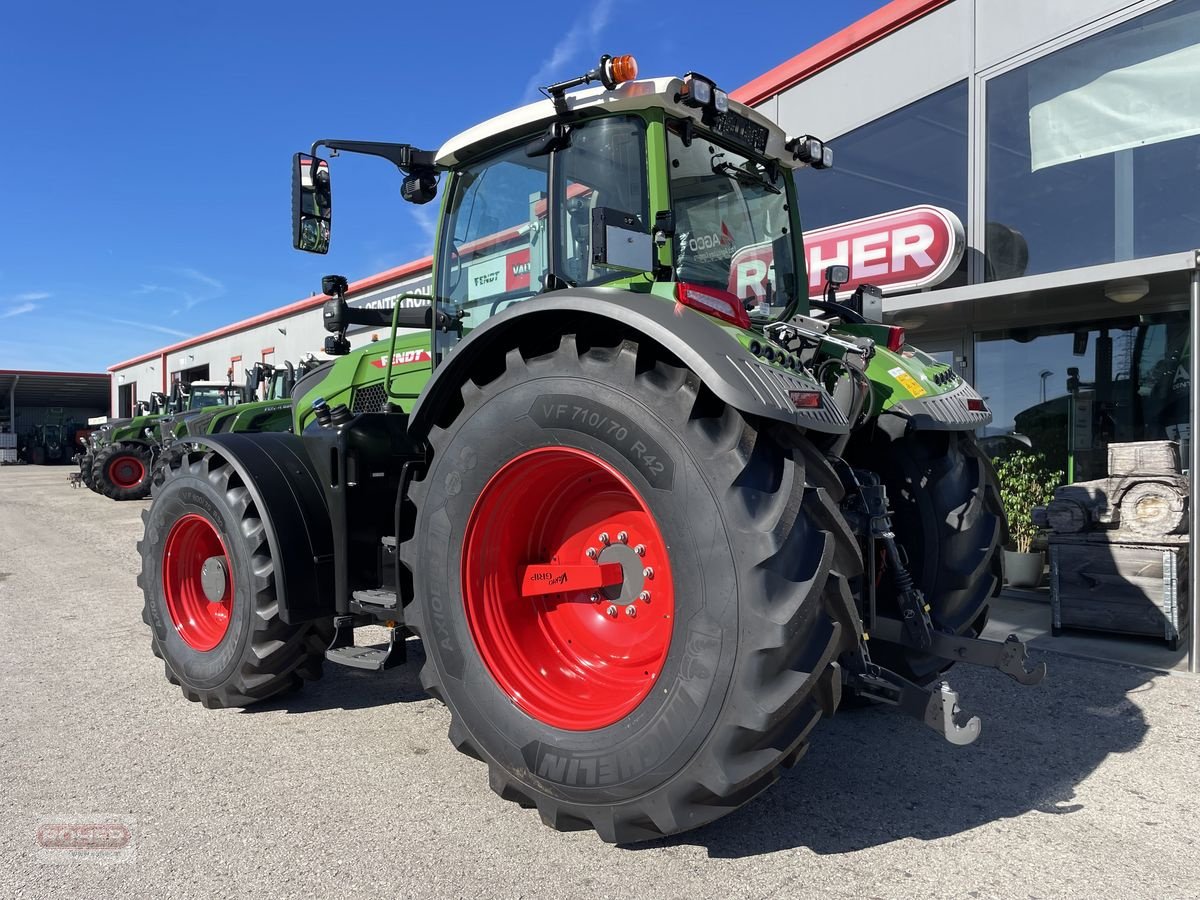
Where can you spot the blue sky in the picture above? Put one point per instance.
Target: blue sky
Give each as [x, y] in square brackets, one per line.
[147, 144]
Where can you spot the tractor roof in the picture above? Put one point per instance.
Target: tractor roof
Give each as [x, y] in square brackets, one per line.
[629, 96]
[221, 385]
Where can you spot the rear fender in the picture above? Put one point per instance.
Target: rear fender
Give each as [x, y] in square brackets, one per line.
[700, 342]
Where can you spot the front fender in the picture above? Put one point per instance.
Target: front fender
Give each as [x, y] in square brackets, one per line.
[285, 487]
[700, 342]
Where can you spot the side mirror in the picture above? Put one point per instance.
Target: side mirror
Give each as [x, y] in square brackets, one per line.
[621, 241]
[312, 204]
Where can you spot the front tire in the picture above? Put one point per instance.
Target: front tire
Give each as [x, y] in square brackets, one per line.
[634, 725]
[948, 519]
[209, 584]
[122, 472]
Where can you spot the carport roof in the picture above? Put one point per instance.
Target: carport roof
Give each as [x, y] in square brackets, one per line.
[56, 388]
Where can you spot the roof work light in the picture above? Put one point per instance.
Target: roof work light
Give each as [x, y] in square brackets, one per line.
[811, 150]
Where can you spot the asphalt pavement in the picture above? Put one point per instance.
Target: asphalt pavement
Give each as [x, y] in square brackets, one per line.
[1084, 786]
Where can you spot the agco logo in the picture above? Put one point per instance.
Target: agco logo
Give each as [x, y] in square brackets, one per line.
[403, 358]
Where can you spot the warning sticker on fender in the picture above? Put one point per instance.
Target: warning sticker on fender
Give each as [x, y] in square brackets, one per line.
[910, 384]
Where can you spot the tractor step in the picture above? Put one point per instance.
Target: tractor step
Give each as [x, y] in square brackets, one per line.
[343, 651]
[376, 597]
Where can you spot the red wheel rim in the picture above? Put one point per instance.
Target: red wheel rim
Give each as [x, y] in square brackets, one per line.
[576, 660]
[126, 471]
[200, 621]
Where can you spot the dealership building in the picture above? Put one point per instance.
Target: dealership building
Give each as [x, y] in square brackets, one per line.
[1059, 141]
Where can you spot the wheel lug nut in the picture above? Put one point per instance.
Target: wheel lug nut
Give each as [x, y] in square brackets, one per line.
[644, 596]
[611, 612]
[604, 538]
[592, 553]
[623, 537]
[595, 598]
[640, 549]
[648, 572]
[631, 611]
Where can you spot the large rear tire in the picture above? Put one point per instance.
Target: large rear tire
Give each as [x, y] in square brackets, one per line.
[122, 472]
[640, 724]
[948, 519]
[209, 584]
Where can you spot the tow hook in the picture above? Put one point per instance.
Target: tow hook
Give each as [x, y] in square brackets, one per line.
[935, 706]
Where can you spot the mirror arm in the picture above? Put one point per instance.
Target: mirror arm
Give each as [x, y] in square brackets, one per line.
[405, 157]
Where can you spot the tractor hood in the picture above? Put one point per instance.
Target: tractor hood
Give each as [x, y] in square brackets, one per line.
[357, 379]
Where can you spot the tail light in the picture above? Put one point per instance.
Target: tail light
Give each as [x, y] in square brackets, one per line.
[975, 404]
[805, 399]
[895, 338]
[714, 302]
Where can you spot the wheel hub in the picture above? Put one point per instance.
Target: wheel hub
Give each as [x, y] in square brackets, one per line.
[197, 582]
[126, 471]
[213, 576]
[560, 588]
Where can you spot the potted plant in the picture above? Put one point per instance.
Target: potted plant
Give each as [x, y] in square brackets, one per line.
[1025, 482]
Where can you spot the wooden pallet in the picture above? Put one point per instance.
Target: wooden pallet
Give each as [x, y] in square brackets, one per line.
[1107, 582]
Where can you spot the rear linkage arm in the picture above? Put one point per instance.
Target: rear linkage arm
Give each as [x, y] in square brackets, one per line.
[935, 706]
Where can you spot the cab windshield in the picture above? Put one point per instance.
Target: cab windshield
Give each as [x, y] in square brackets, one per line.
[203, 397]
[732, 223]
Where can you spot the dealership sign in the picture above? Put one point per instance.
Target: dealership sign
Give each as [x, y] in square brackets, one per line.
[904, 250]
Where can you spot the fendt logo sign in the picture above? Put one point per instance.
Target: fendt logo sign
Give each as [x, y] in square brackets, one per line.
[403, 358]
[904, 250]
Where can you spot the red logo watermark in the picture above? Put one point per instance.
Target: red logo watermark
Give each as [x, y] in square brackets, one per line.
[103, 838]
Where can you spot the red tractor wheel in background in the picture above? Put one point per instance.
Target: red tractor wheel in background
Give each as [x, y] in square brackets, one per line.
[631, 598]
[122, 471]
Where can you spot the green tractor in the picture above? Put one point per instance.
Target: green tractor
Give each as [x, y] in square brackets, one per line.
[272, 413]
[119, 459]
[650, 512]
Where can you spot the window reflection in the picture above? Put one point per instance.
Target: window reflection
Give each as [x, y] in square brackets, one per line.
[917, 154]
[1067, 392]
[1093, 151]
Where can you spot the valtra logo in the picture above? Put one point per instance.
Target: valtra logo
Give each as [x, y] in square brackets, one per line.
[403, 358]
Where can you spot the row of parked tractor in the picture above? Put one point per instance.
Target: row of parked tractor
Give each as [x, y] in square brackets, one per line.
[120, 458]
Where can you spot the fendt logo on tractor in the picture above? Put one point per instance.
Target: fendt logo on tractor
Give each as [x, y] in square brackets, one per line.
[647, 504]
[403, 358]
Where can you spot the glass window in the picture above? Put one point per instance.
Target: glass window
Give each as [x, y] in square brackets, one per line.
[731, 223]
[1068, 391]
[494, 244]
[604, 167]
[1092, 151]
[917, 154]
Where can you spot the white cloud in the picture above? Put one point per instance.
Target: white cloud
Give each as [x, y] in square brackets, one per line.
[580, 38]
[18, 310]
[161, 329]
[201, 288]
[207, 280]
[34, 295]
[426, 220]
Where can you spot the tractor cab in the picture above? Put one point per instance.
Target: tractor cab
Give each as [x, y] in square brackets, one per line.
[203, 394]
[661, 186]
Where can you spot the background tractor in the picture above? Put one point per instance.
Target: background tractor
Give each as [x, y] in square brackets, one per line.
[273, 413]
[120, 456]
[650, 512]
